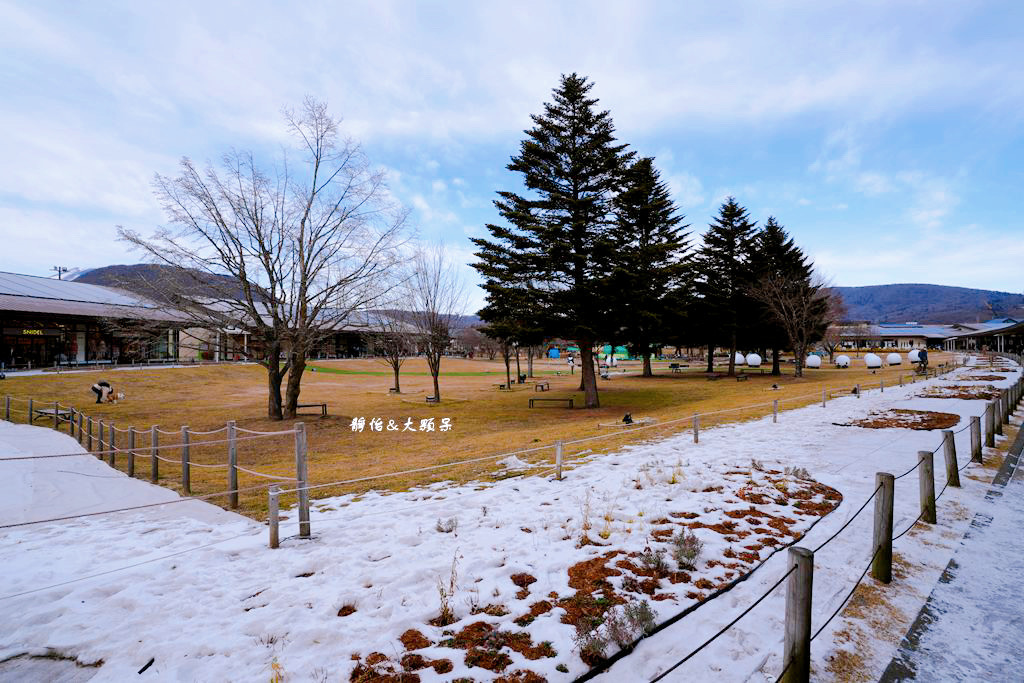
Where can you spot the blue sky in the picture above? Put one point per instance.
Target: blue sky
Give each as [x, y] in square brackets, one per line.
[886, 136]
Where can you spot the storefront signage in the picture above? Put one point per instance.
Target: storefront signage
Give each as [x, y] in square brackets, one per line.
[33, 332]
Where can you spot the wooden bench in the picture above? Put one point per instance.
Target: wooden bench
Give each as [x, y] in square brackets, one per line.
[742, 378]
[321, 406]
[542, 386]
[676, 367]
[715, 376]
[567, 401]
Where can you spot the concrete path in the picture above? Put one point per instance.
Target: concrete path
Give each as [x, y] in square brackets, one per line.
[972, 627]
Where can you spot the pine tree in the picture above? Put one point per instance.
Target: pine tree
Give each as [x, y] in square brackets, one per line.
[723, 263]
[775, 254]
[556, 247]
[650, 261]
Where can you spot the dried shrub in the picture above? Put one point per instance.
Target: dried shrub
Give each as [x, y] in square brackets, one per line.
[686, 549]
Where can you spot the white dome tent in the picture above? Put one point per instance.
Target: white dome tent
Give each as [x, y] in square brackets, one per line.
[872, 361]
[813, 361]
[842, 361]
[894, 359]
[753, 360]
[740, 359]
[913, 356]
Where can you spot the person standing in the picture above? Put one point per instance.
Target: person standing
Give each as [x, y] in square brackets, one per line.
[572, 364]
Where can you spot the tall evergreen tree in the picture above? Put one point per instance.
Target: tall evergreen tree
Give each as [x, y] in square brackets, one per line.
[650, 261]
[774, 254]
[723, 263]
[557, 244]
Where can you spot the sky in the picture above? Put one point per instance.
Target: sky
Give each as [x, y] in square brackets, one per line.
[887, 137]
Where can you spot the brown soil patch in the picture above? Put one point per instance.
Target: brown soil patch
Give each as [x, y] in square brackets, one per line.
[523, 581]
[988, 378]
[414, 640]
[379, 669]
[492, 610]
[521, 676]
[962, 391]
[484, 643]
[906, 419]
[414, 662]
[536, 609]
[346, 610]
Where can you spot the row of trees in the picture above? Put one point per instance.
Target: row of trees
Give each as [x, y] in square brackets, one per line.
[596, 250]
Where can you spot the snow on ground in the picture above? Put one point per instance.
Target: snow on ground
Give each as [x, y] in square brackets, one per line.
[206, 600]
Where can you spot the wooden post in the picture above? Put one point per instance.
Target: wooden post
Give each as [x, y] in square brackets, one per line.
[926, 485]
[232, 465]
[112, 445]
[857, 390]
[824, 397]
[976, 438]
[696, 428]
[71, 423]
[56, 416]
[881, 566]
[949, 451]
[81, 421]
[997, 414]
[7, 408]
[131, 451]
[301, 476]
[1004, 396]
[154, 454]
[881, 384]
[272, 518]
[186, 479]
[558, 460]
[101, 433]
[88, 435]
[901, 379]
[31, 412]
[796, 654]
[775, 410]
[990, 425]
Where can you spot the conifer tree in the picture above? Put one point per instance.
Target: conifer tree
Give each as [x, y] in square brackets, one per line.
[775, 254]
[650, 260]
[723, 264]
[556, 246]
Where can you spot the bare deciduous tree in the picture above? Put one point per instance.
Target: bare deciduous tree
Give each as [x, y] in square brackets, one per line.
[799, 305]
[837, 313]
[438, 299]
[302, 245]
[392, 339]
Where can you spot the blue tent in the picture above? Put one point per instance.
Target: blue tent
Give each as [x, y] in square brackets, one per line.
[554, 353]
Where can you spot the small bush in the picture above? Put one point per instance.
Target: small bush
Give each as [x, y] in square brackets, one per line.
[686, 549]
[654, 560]
[640, 616]
[447, 526]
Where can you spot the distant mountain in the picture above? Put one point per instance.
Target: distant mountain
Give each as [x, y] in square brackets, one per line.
[157, 282]
[929, 303]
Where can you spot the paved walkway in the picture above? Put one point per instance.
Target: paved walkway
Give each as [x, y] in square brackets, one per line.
[972, 627]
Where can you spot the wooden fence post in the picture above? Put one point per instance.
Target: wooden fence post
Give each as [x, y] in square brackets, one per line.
[990, 424]
[71, 422]
[775, 410]
[881, 566]
[1004, 396]
[976, 438]
[101, 433]
[7, 408]
[112, 445]
[796, 653]
[901, 379]
[272, 516]
[997, 414]
[88, 434]
[302, 478]
[31, 412]
[81, 421]
[56, 416]
[154, 454]
[881, 384]
[926, 485]
[186, 479]
[696, 428]
[131, 451]
[824, 397]
[232, 465]
[949, 451]
[558, 460]
[856, 390]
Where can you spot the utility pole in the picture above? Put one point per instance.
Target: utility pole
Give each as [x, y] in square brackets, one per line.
[60, 271]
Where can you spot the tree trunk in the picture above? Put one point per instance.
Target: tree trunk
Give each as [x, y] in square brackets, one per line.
[589, 377]
[434, 362]
[396, 370]
[776, 370]
[508, 369]
[647, 364]
[291, 398]
[800, 352]
[529, 361]
[732, 354]
[519, 372]
[711, 357]
[273, 365]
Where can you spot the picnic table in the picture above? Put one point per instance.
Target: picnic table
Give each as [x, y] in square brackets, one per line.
[321, 406]
[542, 386]
[567, 401]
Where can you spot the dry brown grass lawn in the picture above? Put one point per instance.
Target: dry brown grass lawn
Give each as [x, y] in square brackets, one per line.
[485, 420]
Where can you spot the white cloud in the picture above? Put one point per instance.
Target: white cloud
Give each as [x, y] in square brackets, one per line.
[438, 186]
[686, 189]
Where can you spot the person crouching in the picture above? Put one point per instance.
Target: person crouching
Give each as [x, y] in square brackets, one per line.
[103, 391]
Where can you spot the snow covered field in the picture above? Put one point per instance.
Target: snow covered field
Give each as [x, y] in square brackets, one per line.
[194, 588]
